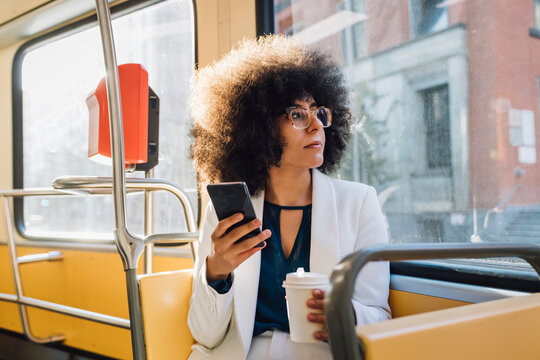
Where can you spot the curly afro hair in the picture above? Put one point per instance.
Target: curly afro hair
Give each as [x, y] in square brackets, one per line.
[236, 101]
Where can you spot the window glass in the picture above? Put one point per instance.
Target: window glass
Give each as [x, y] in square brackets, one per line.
[428, 16]
[537, 13]
[446, 102]
[56, 79]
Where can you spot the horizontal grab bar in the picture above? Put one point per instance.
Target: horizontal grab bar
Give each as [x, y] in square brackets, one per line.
[68, 310]
[49, 256]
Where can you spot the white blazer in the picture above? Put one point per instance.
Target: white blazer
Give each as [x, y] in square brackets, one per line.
[346, 216]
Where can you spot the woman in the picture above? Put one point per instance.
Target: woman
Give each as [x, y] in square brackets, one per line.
[274, 114]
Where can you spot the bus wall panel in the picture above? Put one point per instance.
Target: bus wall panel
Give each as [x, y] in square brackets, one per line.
[6, 148]
[221, 25]
[89, 280]
[9, 317]
[12, 9]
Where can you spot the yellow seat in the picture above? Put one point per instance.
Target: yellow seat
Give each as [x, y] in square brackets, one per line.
[499, 329]
[164, 306]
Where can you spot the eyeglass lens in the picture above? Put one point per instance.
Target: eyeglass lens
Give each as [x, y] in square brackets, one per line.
[302, 117]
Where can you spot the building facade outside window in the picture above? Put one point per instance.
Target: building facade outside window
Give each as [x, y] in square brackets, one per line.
[446, 126]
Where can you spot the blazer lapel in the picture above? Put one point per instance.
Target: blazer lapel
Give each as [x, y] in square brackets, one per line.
[324, 225]
[246, 278]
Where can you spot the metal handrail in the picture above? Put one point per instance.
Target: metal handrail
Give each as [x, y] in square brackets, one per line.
[69, 186]
[17, 281]
[129, 246]
[339, 312]
[95, 183]
[91, 184]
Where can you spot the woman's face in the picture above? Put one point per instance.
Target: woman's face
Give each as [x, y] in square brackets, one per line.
[303, 148]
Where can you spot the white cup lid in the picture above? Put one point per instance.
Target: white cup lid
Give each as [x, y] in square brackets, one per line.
[302, 278]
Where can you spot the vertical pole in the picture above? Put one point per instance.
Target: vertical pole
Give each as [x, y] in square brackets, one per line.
[148, 225]
[134, 303]
[128, 246]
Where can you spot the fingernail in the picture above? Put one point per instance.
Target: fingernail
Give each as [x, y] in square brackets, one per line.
[317, 292]
[311, 302]
[312, 317]
[317, 335]
[239, 216]
[267, 232]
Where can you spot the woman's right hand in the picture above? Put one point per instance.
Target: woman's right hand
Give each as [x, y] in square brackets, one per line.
[226, 255]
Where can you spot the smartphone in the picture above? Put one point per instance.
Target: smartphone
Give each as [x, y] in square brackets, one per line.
[230, 198]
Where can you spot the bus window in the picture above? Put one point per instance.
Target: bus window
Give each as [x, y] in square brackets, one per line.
[56, 77]
[446, 98]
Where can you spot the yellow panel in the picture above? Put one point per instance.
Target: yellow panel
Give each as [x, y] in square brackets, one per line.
[162, 263]
[242, 17]
[165, 304]
[9, 317]
[6, 278]
[11, 9]
[6, 148]
[500, 329]
[221, 24]
[207, 31]
[405, 303]
[88, 280]
[82, 334]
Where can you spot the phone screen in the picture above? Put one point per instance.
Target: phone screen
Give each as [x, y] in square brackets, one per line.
[231, 198]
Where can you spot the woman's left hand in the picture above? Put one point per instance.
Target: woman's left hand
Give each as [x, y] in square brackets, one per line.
[317, 302]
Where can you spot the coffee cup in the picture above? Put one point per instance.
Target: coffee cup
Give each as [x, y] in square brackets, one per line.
[298, 288]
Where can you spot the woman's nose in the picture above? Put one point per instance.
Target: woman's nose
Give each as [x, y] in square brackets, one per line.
[315, 123]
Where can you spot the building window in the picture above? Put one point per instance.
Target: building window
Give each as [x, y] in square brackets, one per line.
[428, 16]
[437, 125]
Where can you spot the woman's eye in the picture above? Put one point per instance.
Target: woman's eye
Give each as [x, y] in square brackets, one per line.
[296, 115]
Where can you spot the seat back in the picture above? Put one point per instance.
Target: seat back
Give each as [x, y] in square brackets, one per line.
[498, 329]
[164, 307]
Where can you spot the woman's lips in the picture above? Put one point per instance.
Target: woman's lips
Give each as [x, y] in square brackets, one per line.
[314, 145]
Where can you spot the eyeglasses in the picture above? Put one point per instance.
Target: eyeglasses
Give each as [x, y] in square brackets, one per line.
[300, 118]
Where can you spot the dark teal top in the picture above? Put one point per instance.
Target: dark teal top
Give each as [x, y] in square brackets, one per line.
[271, 312]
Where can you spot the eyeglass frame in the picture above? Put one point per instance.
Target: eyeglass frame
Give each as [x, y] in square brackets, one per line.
[311, 114]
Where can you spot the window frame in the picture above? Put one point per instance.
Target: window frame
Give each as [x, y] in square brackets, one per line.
[17, 104]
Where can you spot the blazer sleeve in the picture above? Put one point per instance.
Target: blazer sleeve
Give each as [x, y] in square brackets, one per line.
[209, 312]
[370, 297]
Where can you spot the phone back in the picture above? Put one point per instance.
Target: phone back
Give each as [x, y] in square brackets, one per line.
[231, 198]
